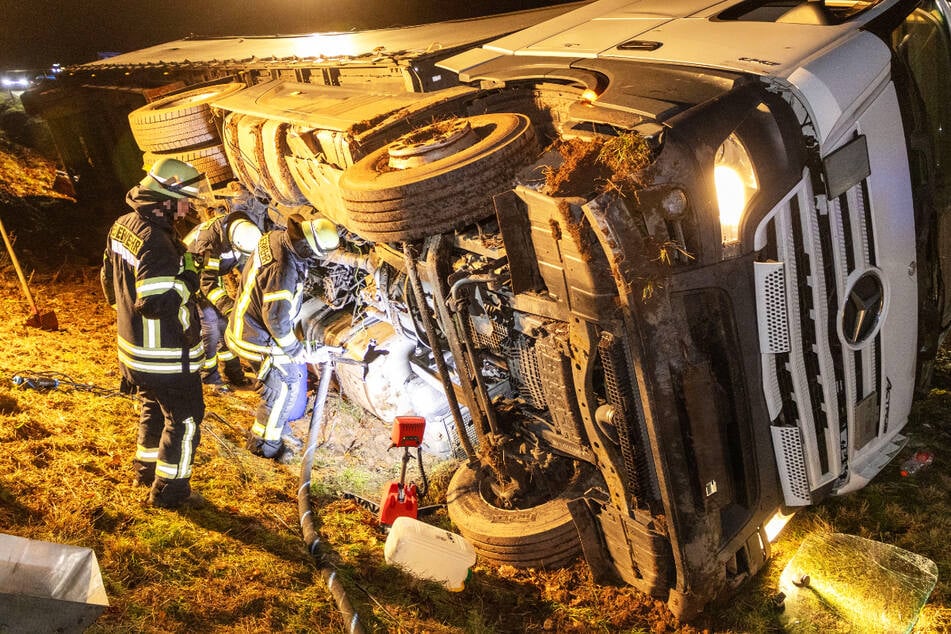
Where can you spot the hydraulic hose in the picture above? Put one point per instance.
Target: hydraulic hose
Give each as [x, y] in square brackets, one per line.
[309, 530]
[409, 255]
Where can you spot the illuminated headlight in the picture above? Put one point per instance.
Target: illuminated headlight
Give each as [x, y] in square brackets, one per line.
[15, 82]
[735, 181]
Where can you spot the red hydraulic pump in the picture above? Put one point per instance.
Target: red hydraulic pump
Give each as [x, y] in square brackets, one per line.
[400, 499]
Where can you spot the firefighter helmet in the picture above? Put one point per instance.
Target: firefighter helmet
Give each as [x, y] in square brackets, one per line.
[175, 179]
[321, 236]
[244, 235]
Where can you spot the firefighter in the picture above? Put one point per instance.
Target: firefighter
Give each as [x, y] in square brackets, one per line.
[222, 244]
[150, 279]
[262, 326]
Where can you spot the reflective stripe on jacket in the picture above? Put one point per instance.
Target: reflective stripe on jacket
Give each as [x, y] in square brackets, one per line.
[157, 322]
[266, 311]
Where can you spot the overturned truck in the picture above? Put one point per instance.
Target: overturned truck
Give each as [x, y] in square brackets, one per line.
[670, 272]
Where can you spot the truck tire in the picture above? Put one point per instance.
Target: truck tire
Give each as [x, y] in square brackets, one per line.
[234, 136]
[390, 205]
[542, 536]
[276, 177]
[210, 161]
[179, 121]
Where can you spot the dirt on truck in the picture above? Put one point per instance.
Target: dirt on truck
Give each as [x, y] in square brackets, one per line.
[662, 275]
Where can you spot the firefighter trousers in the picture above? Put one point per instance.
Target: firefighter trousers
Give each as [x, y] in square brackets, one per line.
[280, 389]
[169, 433]
[217, 353]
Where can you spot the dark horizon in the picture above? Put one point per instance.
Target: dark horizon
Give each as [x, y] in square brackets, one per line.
[38, 34]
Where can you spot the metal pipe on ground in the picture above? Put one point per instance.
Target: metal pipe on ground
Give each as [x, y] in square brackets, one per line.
[308, 528]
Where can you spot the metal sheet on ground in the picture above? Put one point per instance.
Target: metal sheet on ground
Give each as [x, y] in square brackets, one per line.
[838, 583]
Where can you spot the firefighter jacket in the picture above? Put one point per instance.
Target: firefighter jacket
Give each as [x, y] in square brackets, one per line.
[262, 325]
[210, 241]
[159, 334]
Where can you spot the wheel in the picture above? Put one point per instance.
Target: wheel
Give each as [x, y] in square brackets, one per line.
[540, 536]
[179, 121]
[276, 176]
[436, 179]
[210, 161]
[238, 140]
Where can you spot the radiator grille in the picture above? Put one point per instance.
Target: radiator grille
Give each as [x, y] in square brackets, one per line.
[792, 465]
[519, 353]
[620, 390]
[523, 364]
[812, 382]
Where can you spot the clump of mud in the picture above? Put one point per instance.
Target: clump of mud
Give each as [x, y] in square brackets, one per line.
[592, 166]
[8, 405]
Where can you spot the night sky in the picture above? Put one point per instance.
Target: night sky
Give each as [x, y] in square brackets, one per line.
[35, 34]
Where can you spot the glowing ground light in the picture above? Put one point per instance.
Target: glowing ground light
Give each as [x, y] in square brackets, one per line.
[837, 583]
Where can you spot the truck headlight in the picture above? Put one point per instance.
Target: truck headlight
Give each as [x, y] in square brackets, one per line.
[735, 181]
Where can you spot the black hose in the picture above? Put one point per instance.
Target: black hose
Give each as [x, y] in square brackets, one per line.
[309, 530]
[422, 473]
[409, 256]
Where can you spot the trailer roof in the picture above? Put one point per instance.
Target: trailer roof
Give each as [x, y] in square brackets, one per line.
[404, 42]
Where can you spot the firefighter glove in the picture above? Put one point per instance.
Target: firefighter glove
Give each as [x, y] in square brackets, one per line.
[189, 274]
[190, 262]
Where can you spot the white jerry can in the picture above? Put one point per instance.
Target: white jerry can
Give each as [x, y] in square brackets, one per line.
[429, 552]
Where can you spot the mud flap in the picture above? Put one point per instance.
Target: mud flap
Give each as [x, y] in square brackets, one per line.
[592, 542]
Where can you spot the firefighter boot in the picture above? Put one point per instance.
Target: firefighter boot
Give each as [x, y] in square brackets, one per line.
[173, 494]
[211, 377]
[144, 473]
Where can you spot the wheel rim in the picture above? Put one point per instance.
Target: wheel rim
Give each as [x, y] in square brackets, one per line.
[430, 144]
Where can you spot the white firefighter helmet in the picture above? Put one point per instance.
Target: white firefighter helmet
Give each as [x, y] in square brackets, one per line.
[176, 179]
[321, 236]
[244, 235]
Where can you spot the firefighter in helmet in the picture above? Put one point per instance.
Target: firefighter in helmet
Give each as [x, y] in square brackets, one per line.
[262, 326]
[222, 244]
[150, 279]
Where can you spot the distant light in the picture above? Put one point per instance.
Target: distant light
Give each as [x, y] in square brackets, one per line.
[15, 82]
[589, 95]
[319, 45]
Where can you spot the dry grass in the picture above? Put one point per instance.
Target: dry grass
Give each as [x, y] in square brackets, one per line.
[238, 565]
